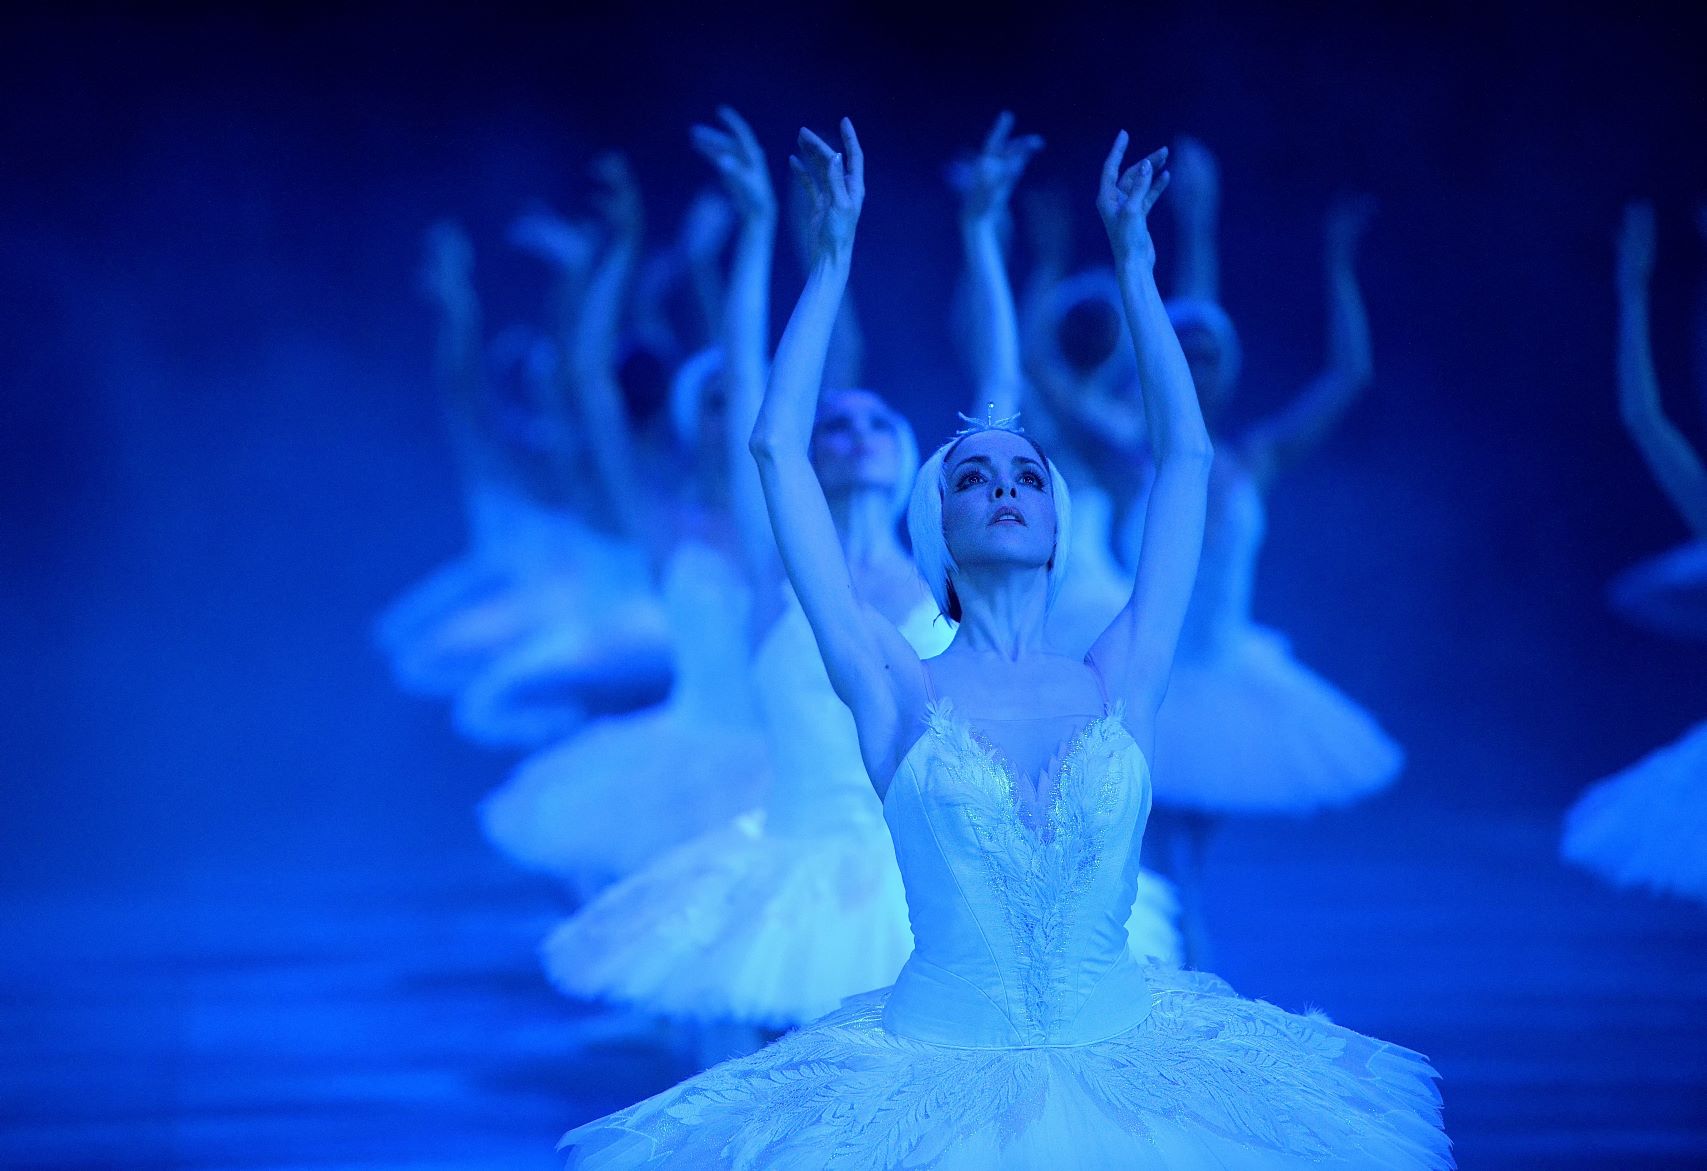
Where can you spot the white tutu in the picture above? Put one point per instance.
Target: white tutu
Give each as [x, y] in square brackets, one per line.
[442, 632]
[1252, 730]
[1666, 594]
[619, 794]
[596, 641]
[743, 925]
[1647, 825]
[1206, 1081]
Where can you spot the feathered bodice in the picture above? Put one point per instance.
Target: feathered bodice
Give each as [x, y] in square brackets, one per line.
[1019, 920]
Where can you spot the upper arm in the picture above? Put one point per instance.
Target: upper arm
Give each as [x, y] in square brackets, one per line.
[1136, 652]
[871, 666]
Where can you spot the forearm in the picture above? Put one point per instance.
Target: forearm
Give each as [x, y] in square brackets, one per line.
[1197, 272]
[995, 324]
[1171, 410]
[1674, 464]
[745, 325]
[1349, 352]
[597, 393]
[790, 404]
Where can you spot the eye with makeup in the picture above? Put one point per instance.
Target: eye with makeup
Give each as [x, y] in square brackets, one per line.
[969, 478]
[1032, 479]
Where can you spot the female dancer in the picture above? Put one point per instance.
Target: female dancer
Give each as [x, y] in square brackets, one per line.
[614, 797]
[1246, 728]
[535, 694]
[1021, 1034]
[534, 554]
[775, 920]
[1647, 825]
[778, 915]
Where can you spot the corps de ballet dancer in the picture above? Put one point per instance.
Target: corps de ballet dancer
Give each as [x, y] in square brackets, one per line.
[1647, 824]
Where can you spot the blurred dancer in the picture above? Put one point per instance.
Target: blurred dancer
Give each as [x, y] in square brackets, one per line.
[615, 796]
[537, 552]
[1021, 1033]
[1647, 825]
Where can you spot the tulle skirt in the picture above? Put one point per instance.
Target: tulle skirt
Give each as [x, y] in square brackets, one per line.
[581, 660]
[444, 631]
[606, 802]
[1667, 594]
[769, 929]
[1207, 1082]
[1647, 826]
[1251, 730]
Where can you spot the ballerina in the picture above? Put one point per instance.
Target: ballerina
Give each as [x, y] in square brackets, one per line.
[531, 553]
[1092, 587]
[1247, 728]
[544, 689]
[1021, 1033]
[773, 918]
[698, 760]
[1647, 824]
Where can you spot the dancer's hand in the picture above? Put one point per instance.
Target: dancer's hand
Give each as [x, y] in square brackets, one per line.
[619, 200]
[705, 227]
[834, 182]
[564, 244]
[986, 180]
[734, 150]
[1125, 198]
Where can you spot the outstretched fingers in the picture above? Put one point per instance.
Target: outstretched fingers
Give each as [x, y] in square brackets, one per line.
[855, 161]
[1110, 186]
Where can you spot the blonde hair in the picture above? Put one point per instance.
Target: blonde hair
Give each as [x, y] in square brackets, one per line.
[930, 547]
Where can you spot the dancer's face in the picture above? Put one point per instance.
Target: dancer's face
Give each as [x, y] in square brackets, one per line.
[856, 443]
[1208, 362]
[998, 504]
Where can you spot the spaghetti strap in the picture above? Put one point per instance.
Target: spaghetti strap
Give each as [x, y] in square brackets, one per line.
[1096, 673]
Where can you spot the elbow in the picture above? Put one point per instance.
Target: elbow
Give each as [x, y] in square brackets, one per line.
[1188, 448]
[763, 445]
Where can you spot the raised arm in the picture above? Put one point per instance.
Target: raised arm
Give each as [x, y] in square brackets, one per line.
[448, 285]
[986, 183]
[1196, 204]
[871, 666]
[844, 365]
[592, 355]
[1136, 652]
[1282, 440]
[1674, 464]
[734, 151]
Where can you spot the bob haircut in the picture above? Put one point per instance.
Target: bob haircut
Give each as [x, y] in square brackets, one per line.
[930, 547]
[906, 444]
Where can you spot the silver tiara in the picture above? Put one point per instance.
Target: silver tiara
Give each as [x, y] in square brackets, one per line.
[990, 423]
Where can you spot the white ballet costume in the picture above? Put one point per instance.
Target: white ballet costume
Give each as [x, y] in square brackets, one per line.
[1245, 727]
[593, 632]
[1646, 825]
[443, 631]
[776, 917]
[616, 795]
[1021, 1035]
